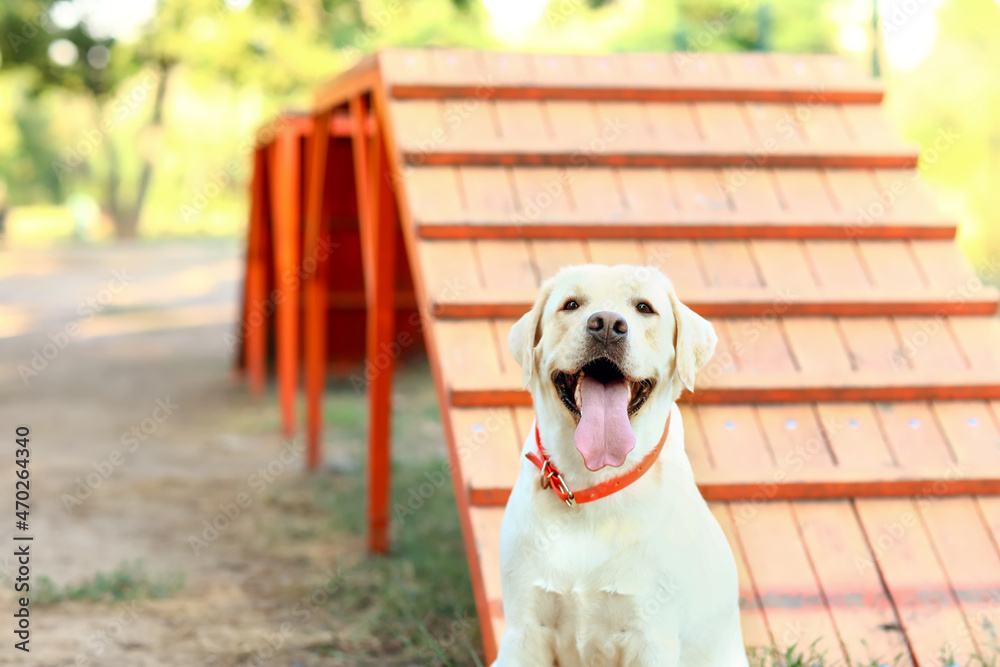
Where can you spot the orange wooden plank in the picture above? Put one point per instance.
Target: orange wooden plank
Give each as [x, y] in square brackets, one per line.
[945, 267]
[805, 194]
[258, 263]
[648, 195]
[927, 343]
[734, 436]
[971, 431]
[760, 346]
[490, 463]
[978, 341]
[729, 264]
[969, 558]
[795, 436]
[694, 442]
[285, 173]
[891, 264]
[506, 264]
[433, 194]
[912, 433]
[916, 583]
[697, 223]
[472, 126]
[596, 194]
[486, 572]
[725, 126]
[794, 605]
[628, 126]
[550, 256]
[754, 626]
[855, 437]
[783, 265]
[816, 345]
[675, 125]
[449, 269]
[574, 125]
[487, 389]
[488, 195]
[315, 291]
[542, 195]
[678, 260]
[523, 125]
[753, 193]
[873, 344]
[615, 252]
[837, 263]
[862, 612]
[419, 126]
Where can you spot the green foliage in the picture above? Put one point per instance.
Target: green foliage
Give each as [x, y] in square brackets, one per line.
[128, 581]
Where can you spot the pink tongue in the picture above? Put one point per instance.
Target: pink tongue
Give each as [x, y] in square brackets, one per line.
[604, 435]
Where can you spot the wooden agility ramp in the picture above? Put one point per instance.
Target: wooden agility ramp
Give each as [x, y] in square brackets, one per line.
[847, 431]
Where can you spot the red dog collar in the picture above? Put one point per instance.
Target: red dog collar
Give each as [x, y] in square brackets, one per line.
[551, 478]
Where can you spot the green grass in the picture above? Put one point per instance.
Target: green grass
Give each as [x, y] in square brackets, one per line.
[128, 581]
[414, 606]
[794, 656]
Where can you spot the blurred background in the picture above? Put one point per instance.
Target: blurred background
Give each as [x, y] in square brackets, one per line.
[116, 115]
[122, 223]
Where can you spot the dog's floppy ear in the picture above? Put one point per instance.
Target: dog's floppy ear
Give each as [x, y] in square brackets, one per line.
[696, 340]
[526, 333]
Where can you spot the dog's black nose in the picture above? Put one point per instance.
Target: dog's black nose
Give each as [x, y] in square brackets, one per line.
[607, 327]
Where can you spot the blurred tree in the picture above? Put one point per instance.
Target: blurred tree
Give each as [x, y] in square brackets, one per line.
[948, 105]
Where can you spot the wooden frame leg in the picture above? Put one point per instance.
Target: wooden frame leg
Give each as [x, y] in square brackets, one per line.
[255, 289]
[378, 245]
[315, 290]
[286, 182]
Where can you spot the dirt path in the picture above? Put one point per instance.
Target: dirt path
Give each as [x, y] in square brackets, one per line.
[151, 359]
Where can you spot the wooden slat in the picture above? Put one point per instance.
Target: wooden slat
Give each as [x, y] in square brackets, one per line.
[968, 556]
[916, 583]
[488, 389]
[865, 618]
[485, 522]
[754, 626]
[736, 302]
[794, 605]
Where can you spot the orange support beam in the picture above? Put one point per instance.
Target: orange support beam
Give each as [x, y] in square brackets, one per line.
[315, 266]
[255, 287]
[285, 178]
[376, 206]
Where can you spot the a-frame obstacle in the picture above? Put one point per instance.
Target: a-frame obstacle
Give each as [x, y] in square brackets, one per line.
[847, 432]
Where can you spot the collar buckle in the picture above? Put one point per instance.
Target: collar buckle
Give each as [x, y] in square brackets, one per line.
[549, 477]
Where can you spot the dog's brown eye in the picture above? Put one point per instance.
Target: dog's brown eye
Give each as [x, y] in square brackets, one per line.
[644, 307]
[570, 305]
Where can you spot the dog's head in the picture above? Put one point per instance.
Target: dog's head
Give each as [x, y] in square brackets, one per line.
[603, 348]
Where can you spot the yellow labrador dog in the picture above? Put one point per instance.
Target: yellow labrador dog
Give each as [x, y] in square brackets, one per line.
[609, 555]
